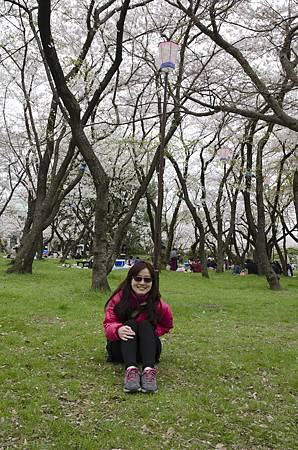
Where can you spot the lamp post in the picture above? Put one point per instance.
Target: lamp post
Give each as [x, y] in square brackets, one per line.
[168, 53]
[225, 154]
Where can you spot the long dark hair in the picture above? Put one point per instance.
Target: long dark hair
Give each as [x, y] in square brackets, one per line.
[123, 309]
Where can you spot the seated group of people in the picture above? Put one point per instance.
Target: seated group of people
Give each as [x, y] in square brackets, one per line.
[276, 266]
[132, 260]
[251, 268]
[195, 265]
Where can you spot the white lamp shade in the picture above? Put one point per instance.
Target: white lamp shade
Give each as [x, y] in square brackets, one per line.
[168, 54]
[225, 154]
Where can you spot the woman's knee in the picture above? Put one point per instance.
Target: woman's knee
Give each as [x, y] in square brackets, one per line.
[132, 324]
[145, 325]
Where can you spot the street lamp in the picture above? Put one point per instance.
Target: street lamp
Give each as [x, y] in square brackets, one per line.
[168, 53]
[225, 154]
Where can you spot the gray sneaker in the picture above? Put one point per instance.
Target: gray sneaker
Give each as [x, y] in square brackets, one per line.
[148, 380]
[132, 380]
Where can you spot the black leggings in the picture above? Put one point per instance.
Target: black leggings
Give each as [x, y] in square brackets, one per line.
[144, 348]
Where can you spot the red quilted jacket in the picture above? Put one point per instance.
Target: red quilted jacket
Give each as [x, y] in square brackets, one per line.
[111, 322]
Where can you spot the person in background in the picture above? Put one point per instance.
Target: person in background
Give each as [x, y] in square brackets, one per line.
[251, 267]
[211, 264]
[197, 266]
[174, 259]
[135, 318]
[290, 270]
[130, 261]
[236, 269]
[276, 267]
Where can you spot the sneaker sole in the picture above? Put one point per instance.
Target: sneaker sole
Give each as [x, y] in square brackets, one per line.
[149, 392]
[127, 391]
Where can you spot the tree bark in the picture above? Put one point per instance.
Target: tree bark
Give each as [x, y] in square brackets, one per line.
[25, 256]
[295, 193]
[171, 229]
[100, 242]
[196, 218]
[99, 272]
[264, 265]
[39, 251]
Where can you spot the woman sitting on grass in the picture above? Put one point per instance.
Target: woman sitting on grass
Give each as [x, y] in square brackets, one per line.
[135, 318]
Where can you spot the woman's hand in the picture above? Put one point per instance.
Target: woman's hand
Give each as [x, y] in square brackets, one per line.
[125, 333]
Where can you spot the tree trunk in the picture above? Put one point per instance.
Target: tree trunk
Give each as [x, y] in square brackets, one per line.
[171, 230]
[202, 256]
[193, 249]
[195, 216]
[65, 252]
[258, 256]
[99, 271]
[39, 248]
[24, 259]
[220, 254]
[282, 258]
[100, 243]
[263, 263]
[150, 206]
[99, 267]
[30, 241]
[261, 245]
[220, 244]
[295, 192]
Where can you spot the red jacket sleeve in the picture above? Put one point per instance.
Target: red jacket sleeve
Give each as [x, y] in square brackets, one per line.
[166, 321]
[111, 322]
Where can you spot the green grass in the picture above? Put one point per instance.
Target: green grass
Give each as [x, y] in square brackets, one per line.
[228, 371]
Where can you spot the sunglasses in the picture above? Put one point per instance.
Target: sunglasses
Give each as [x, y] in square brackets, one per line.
[146, 279]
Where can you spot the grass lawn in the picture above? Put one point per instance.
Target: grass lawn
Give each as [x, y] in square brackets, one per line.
[227, 377]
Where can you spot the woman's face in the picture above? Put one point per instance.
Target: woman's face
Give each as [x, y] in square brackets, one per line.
[142, 282]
